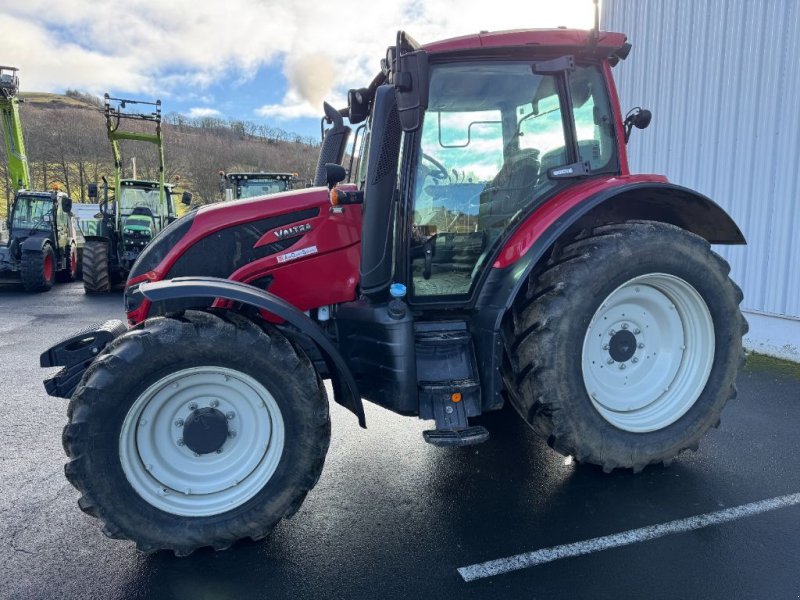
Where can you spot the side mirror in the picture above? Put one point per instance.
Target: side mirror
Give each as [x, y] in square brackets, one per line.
[66, 204]
[636, 117]
[334, 174]
[643, 118]
[186, 198]
[92, 190]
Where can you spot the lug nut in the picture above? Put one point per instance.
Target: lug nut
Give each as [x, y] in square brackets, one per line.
[193, 406]
[230, 415]
[621, 365]
[610, 361]
[624, 325]
[231, 434]
[611, 333]
[219, 451]
[214, 403]
[180, 442]
[179, 423]
[605, 346]
[637, 331]
[641, 345]
[634, 359]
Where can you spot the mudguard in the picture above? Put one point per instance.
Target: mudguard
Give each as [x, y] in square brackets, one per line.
[344, 384]
[34, 243]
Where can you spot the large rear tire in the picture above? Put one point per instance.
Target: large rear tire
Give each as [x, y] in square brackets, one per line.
[196, 430]
[625, 347]
[38, 269]
[95, 267]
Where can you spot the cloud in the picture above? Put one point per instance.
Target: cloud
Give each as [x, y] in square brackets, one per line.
[174, 48]
[199, 112]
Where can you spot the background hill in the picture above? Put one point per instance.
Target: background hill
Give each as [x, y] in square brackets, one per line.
[66, 143]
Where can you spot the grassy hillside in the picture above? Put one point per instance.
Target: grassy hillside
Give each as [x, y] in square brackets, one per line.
[66, 144]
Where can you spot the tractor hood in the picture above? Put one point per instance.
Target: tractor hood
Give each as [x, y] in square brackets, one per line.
[287, 242]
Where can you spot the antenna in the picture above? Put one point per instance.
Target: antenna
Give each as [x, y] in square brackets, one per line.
[594, 36]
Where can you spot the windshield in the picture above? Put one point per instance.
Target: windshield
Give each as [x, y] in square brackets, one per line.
[490, 134]
[32, 212]
[260, 187]
[131, 197]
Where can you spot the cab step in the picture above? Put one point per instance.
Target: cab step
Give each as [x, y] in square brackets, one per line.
[470, 436]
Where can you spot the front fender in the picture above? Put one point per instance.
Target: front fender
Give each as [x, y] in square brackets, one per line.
[344, 384]
[34, 243]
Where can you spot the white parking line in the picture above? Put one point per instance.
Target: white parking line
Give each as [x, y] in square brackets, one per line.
[651, 532]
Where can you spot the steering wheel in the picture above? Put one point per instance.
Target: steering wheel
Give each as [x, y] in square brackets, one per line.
[440, 172]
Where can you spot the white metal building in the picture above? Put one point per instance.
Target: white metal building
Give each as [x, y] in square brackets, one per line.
[722, 78]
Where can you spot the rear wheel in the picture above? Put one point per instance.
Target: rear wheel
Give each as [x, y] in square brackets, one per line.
[196, 431]
[625, 348]
[38, 269]
[95, 267]
[72, 270]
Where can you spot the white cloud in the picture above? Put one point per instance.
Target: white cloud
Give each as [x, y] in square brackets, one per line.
[183, 46]
[200, 111]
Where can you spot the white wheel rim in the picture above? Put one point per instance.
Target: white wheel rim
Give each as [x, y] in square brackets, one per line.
[648, 352]
[167, 474]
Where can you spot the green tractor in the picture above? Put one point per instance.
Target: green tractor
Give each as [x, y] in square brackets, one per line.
[42, 242]
[139, 210]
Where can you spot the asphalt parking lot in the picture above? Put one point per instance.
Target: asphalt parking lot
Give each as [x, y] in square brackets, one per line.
[393, 517]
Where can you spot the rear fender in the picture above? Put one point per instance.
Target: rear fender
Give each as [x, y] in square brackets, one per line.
[344, 384]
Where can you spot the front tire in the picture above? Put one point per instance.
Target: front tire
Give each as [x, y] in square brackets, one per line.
[38, 269]
[625, 348]
[195, 431]
[95, 268]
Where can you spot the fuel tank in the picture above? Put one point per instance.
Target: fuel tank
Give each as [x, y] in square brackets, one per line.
[291, 244]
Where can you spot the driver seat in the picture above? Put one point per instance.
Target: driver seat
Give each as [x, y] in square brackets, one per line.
[509, 189]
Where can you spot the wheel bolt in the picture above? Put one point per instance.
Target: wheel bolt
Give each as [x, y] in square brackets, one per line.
[231, 434]
[634, 359]
[180, 442]
[193, 406]
[624, 325]
[611, 333]
[230, 415]
[605, 346]
[641, 345]
[637, 331]
[621, 365]
[610, 361]
[214, 403]
[179, 423]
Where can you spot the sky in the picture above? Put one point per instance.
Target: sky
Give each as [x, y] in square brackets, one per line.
[268, 61]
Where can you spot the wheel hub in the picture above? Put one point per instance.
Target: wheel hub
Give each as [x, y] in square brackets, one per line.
[205, 430]
[622, 346]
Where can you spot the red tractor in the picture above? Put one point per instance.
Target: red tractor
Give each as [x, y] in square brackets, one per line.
[491, 246]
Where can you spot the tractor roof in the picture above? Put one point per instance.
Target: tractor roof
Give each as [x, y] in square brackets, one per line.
[143, 183]
[261, 175]
[556, 38]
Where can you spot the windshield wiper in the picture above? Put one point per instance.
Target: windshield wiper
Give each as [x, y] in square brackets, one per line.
[37, 224]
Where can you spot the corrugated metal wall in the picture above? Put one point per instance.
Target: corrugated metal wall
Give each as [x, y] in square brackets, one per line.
[722, 78]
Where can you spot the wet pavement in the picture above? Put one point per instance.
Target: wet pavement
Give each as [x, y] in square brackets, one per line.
[393, 517]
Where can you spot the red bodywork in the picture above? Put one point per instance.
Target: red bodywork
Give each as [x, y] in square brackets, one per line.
[329, 275]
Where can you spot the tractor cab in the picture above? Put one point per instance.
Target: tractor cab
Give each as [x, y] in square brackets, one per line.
[238, 186]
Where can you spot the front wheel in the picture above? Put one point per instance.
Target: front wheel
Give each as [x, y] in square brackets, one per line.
[38, 269]
[196, 431]
[625, 348]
